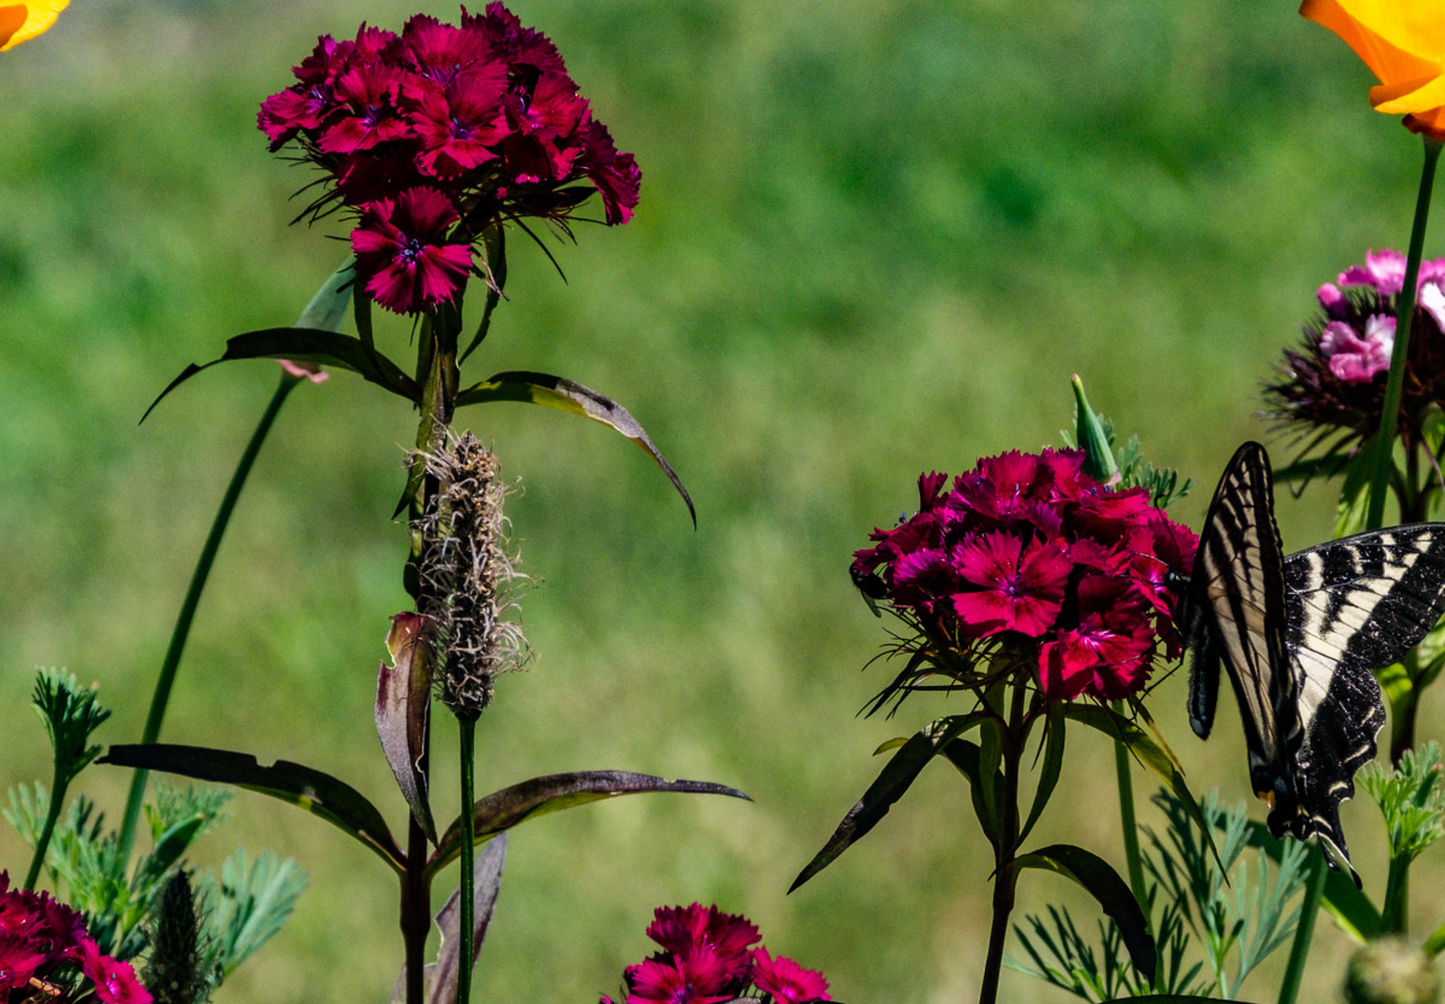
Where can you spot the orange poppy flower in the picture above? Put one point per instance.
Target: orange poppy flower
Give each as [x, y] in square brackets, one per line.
[20, 22]
[1403, 42]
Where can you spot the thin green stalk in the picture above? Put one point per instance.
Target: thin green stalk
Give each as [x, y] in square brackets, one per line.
[182, 629]
[57, 799]
[1304, 932]
[1131, 829]
[1011, 739]
[468, 727]
[1405, 315]
[1395, 914]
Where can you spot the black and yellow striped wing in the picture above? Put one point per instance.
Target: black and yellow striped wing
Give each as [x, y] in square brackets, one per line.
[1299, 637]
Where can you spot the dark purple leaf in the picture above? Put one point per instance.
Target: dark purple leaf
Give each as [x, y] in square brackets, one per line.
[319, 793]
[403, 701]
[504, 809]
[565, 395]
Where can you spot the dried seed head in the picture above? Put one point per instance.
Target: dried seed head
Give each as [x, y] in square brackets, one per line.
[467, 577]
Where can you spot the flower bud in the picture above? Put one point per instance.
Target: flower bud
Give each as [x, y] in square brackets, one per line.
[1389, 971]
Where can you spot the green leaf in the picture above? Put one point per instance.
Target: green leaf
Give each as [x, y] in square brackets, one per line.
[557, 392]
[251, 903]
[327, 308]
[990, 758]
[888, 788]
[308, 345]
[319, 793]
[494, 239]
[1351, 908]
[1104, 884]
[1099, 456]
[501, 810]
[1395, 681]
[1165, 999]
[1354, 503]
[966, 757]
[1053, 763]
[403, 702]
[1148, 751]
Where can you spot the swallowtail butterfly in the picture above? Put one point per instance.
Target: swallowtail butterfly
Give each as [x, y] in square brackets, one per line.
[1299, 635]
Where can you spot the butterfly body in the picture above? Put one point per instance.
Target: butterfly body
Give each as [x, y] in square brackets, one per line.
[1299, 636]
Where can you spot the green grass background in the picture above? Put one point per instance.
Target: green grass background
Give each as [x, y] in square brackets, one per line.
[875, 238]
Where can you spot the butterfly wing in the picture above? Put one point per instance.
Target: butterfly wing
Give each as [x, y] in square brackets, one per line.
[1353, 605]
[1236, 615]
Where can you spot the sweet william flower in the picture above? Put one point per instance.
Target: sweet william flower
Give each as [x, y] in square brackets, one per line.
[1403, 44]
[482, 113]
[20, 22]
[1030, 560]
[786, 981]
[1336, 379]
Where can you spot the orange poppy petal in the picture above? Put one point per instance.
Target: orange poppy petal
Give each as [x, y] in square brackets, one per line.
[11, 19]
[39, 16]
[1409, 98]
[1398, 57]
[1413, 25]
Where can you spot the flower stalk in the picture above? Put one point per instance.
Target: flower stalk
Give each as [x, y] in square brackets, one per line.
[1404, 318]
[165, 681]
[1012, 735]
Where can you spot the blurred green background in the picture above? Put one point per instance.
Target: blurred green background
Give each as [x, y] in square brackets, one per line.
[875, 238]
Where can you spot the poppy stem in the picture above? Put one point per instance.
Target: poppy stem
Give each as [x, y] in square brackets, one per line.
[1405, 315]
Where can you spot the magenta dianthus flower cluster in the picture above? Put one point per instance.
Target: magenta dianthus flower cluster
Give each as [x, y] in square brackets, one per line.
[434, 134]
[43, 942]
[1030, 559]
[708, 957]
[1337, 381]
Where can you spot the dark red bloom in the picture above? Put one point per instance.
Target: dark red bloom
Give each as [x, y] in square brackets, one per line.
[1017, 590]
[38, 934]
[1029, 553]
[401, 251]
[115, 981]
[701, 977]
[484, 113]
[458, 124]
[685, 930]
[785, 980]
[369, 113]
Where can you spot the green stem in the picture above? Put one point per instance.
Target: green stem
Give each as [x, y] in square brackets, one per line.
[182, 629]
[1012, 738]
[52, 815]
[1405, 315]
[1395, 914]
[468, 727]
[1304, 932]
[1131, 829]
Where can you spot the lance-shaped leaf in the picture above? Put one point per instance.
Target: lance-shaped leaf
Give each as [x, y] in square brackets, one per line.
[403, 701]
[441, 976]
[1347, 903]
[1148, 751]
[888, 788]
[1104, 884]
[328, 797]
[308, 345]
[501, 810]
[1053, 763]
[967, 757]
[556, 392]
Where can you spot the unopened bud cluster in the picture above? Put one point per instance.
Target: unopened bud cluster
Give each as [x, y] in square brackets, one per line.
[466, 575]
